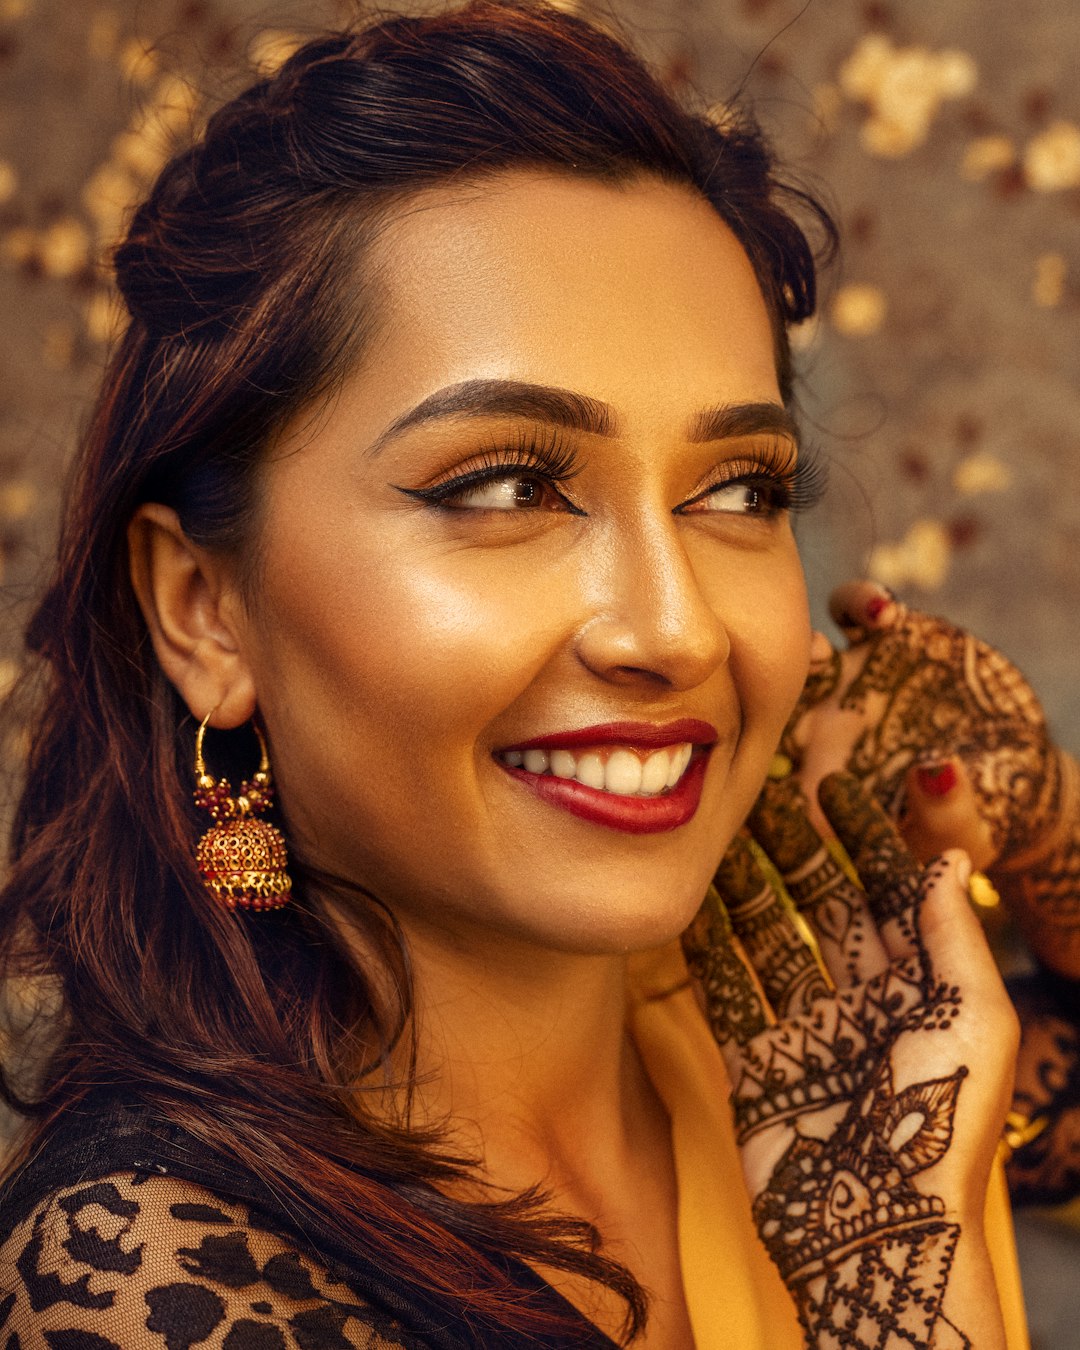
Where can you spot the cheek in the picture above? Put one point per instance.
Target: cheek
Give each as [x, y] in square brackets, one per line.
[400, 667]
[770, 645]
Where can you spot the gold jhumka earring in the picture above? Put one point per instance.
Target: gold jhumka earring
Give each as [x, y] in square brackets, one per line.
[241, 859]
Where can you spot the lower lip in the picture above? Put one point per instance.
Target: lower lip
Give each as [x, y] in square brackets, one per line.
[632, 815]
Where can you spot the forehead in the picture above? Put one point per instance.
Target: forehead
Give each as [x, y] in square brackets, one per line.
[613, 290]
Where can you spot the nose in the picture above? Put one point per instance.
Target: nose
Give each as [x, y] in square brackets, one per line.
[652, 620]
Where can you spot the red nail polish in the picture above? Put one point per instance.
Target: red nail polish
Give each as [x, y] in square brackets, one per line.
[875, 606]
[936, 780]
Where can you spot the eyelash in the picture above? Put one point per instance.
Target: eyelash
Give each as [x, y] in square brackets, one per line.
[553, 460]
[787, 487]
[550, 458]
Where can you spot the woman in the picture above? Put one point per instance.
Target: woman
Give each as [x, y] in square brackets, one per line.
[448, 454]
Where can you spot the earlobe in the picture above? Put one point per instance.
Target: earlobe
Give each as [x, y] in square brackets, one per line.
[190, 609]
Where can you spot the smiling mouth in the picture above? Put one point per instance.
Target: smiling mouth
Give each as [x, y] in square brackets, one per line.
[632, 777]
[619, 770]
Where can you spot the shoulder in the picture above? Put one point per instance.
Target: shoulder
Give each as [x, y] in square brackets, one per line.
[129, 1260]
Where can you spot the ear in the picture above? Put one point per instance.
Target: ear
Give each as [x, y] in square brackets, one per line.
[193, 611]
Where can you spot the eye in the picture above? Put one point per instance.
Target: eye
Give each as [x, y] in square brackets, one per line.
[524, 477]
[772, 483]
[749, 495]
[743, 498]
[509, 491]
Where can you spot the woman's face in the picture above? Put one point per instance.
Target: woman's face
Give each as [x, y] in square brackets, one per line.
[528, 562]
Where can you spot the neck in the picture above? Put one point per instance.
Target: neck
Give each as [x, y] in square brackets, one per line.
[524, 1064]
[526, 1056]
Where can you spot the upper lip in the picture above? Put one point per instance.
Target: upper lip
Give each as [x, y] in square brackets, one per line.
[641, 735]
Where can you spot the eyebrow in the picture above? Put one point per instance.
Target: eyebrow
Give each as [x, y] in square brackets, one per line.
[729, 420]
[506, 398]
[576, 412]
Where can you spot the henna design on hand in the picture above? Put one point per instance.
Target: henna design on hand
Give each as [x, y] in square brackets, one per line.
[865, 1252]
[919, 687]
[731, 1002]
[822, 681]
[790, 977]
[889, 873]
[821, 890]
[1041, 882]
[927, 687]
[1046, 1169]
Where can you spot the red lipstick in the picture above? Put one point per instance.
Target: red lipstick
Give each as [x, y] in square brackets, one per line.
[633, 814]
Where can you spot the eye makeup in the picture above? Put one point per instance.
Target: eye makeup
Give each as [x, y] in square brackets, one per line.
[776, 480]
[540, 454]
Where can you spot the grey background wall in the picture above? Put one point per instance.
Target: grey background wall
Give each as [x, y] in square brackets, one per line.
[941, 379]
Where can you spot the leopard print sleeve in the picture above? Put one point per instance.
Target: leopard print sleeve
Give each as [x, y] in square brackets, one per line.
[144, 1262]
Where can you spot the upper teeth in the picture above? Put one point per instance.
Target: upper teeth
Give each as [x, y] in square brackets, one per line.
[620, 771]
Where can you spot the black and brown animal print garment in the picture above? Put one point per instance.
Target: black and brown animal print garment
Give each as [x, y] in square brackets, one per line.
[122, 1233]
[139, 1260]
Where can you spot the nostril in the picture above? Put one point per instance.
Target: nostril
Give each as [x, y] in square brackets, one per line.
[642, 673]
[658, 626]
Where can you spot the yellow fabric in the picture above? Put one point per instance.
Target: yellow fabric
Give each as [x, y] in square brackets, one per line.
[1002, 1243]
[733, 1291]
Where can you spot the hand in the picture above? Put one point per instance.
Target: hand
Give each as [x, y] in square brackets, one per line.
[1045, 1166]
[951, 740]
[870, 1091]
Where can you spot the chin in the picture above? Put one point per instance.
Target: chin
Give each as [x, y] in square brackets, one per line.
[621, 922]
[635, 909]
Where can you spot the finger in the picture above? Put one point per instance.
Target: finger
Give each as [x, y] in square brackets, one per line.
[965, 998]
[941, 811]
[822, 681]
[886, 868]
[823, 674]
[730, 1000]
[821, 650]
[835, 906]
[862, 608]
[959, 955]
[789, 973]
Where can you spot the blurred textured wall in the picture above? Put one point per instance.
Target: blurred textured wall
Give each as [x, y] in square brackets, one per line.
[941, 379]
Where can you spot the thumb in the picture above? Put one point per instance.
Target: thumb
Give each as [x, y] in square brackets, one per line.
[985, 1033]
[822, 679]
[941, 811]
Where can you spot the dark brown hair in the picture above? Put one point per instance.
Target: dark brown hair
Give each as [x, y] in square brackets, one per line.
[244, 276]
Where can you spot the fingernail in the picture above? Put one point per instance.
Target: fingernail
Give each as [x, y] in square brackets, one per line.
[878, 604]
[936, 780]
[963, 869]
